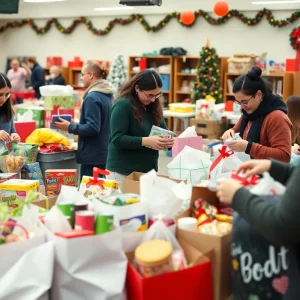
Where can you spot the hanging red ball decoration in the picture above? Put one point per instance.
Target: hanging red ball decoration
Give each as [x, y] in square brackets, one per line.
[187, 17]
[221, 8]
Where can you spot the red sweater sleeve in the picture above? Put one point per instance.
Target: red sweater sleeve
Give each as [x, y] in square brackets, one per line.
[275, 132]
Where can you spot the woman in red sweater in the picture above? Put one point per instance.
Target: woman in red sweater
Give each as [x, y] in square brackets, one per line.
[264, 125]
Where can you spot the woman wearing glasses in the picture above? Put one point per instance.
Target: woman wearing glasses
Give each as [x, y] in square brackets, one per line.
[136, 109]
[264, 124]
[7, 128]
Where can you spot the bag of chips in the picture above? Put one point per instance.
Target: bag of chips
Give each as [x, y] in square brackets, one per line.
[11, 164]
[3, 148]
[29, 151]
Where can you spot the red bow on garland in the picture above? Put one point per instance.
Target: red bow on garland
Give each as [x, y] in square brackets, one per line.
[96, 180]
[253, 180]
[223, 155]
[296, 34]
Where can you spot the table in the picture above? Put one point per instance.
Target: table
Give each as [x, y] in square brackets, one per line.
[184, 117]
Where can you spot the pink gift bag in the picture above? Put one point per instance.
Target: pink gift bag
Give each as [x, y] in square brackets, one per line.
[193, 142]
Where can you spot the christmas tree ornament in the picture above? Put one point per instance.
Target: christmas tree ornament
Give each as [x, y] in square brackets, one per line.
[221, 8]
[187, 17]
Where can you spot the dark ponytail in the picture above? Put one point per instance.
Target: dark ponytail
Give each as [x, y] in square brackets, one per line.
[252, 82]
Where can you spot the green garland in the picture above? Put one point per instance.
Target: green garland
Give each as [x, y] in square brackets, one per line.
[295, 38]
[141, 19]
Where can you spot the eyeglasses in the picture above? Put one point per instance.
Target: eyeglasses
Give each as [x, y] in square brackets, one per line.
[82, 74]
[150, 97]
[244, 102]
[6, 96]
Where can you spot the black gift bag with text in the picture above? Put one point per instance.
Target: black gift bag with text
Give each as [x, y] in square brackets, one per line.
[259, 268]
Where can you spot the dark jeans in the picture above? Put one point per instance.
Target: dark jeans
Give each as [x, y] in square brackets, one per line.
[87, 170]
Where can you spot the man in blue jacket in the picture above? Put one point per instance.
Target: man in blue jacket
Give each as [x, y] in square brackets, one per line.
[37, 76]
[93, 128]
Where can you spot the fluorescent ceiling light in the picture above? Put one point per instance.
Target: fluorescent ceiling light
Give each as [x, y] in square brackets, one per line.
[276, 2]
[39, 1]
[113, 8]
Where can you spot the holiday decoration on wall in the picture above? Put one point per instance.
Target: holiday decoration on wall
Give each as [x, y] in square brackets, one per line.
[117, 73]
[264, 13]
[187, 17]
[221, 8]
[295, 38]
[208, 75]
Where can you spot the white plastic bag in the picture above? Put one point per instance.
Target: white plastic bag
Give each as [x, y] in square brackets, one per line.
[268, 186]
[92, 267]
[189, 132]
[191, 165]
[241, 155]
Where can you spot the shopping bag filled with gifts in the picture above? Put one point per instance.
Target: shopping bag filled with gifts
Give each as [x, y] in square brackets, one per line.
[23, 244]
[191, 165]
[225, 163]
[252, 250]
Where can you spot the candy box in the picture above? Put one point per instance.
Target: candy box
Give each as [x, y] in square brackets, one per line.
[14, 189]
[54, 179]
[7, 176]
[92, 189]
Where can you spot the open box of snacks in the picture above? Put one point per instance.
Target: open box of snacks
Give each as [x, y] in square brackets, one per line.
[210, 229]
[155, 273]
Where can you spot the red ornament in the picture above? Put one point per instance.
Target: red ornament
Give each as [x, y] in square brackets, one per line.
[187, 17]
[221, 8]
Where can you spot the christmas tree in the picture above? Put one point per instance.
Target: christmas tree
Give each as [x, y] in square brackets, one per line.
[117, 73]
[208, 82]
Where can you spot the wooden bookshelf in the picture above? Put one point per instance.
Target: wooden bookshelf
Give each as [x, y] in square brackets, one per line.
[64, 73]
[155, 62]
[285, 90]
[74, 77]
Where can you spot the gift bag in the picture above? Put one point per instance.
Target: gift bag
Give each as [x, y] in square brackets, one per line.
[191, 165]
[259, 268]
[224, 164]
[241, 155]
[92, 267]
[187, 138]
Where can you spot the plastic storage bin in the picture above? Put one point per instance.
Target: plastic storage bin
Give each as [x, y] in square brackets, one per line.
[58, 160]
[166, 82]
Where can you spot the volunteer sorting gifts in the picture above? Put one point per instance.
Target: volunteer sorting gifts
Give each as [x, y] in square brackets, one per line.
[136, 109]
[264, 126]
[7, 127]
[278, 223]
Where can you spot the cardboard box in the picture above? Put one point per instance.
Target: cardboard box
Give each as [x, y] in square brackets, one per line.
[43, 203]
[221, 257]
[210, 129]
[192, 283]
[54, 179]
[132, 182]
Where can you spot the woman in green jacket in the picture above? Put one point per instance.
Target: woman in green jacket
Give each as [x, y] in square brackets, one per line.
[137, 108]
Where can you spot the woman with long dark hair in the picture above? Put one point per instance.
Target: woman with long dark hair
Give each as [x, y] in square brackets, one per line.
[264, 126]
[7, 127]
[137, 108]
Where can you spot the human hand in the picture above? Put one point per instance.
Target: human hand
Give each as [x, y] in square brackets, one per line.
[254, 166]
[15, 138]
[4, 136]
[226, 189]
[155, 142]
[228, 134]
[62, 125]
[295, 149]
[30, 89]
[170, 143]
[238, 145]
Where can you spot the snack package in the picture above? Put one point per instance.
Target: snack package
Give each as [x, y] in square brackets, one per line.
[121, 200]
[11, 164]
[32, 172]
[29, 151]
[3, 148]
[163, 133]
[216, 228]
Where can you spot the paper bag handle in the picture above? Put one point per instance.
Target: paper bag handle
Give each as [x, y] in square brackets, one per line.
[97, 172]
[9, 223]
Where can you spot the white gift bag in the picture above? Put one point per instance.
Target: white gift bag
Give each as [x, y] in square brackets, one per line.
[92, 267]
[26, 269]
[241, 155]
[191, 165]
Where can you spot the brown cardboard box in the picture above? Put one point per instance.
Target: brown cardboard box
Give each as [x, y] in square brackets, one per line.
[132, 182]
[42, 203]
[221, 257]
[210, 129]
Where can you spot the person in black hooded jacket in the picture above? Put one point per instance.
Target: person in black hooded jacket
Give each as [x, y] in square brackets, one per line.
[264, 126]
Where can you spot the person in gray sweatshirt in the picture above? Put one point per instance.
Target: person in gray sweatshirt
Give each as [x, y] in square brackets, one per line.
[279, 223]
[7, 128]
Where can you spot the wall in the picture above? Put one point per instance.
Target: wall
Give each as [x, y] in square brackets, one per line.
[133, 40]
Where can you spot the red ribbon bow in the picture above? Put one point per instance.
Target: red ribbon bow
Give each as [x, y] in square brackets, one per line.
[296, 34]
[253, 180]
[204, 106]
[96, 180]
[223, 155]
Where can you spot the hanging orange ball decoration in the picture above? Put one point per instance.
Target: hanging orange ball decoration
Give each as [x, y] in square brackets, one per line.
[187, 17]
[221, 8]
